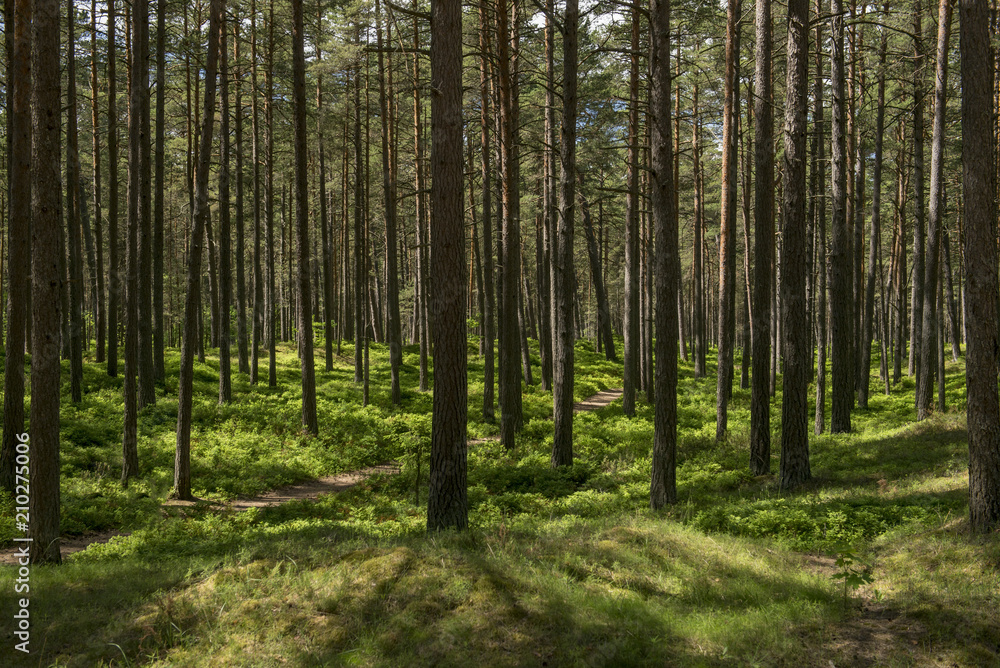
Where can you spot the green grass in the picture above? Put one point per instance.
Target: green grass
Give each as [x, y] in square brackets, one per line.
[559, 567]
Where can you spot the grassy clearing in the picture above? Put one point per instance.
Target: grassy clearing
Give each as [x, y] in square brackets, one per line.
[563, 567]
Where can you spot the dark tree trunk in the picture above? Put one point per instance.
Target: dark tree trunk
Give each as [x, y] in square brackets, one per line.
[819, 198]
[448, 505]
[633, 344]
[47, 279]
[271, 314]
[159, 373]
[225, 227]
[257, 334]
[185, 383]
[916, 309]
[563, 275]
[663, 487]
[794, 466]
[393, 328]
[20, 178]
[760, 419]
[510, 385]
[979, 187]
[727, 226]
[140, 139]
[489, 382]
[100, 305]
[952, 311]
[874, 237]
[309, 418]
[242, 335]
[73, 237]
[928, 341]
[699, 324]
[603, 309]
[841, 265]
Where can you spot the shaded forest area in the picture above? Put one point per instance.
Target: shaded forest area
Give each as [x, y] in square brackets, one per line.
[249, 243]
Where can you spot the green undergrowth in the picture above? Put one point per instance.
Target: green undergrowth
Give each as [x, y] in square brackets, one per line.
[559, 566]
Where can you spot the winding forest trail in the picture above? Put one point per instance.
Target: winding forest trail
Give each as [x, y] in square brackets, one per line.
[309, 489]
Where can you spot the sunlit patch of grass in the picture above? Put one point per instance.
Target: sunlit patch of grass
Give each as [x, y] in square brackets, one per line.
[565, 566]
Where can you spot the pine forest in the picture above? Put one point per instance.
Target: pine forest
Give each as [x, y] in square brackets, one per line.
[500, 333]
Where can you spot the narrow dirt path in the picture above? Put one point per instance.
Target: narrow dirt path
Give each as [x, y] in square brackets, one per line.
[309, 489]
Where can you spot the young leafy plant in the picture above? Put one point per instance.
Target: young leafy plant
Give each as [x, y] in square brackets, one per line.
[853, 574]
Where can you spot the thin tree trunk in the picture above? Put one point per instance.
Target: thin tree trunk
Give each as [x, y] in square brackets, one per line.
[185, 383]
[820, 226]
[258, 275]
[225, 226]
[760, 420]
[487, 178]
[875, 233]
[916, 311]
[510, 386]
[159, 372]
[841, 281]
[603, 309]
[394, 330]
[140, 127]
[271, 314]
[309, 417]
[242, 335]
[563, 275]
[928, 342]
[727, 226]
[633, 316]
[73, 236]
[101, 304]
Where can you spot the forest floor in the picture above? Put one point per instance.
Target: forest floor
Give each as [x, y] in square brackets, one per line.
[306, 490]
[559, 567]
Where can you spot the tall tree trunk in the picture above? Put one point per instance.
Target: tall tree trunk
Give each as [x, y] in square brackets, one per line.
[447, 505]
[727, 226]
[510, 386]
[46, 281]
[700, 333]
[841, 281]
[113, 268]
[271, 315]
[393, 329]
[633, 344]
[225, 226]
[952, 312]
[916, 311]
[928, 341]
[327, 252]
[21, 177]
[242, 335]
[794, 466]
[760, 420]
[875, 233]
[603, 309]
[562, 255]
[159, 373]
[73, 236]
[819, 197]
[979, 187]
[663, 487]
[359, 247]
[549, 203]
[100, 306]
[140, 127]
[309, 418]
[185, 383]
[487, 172]
[258, 275]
